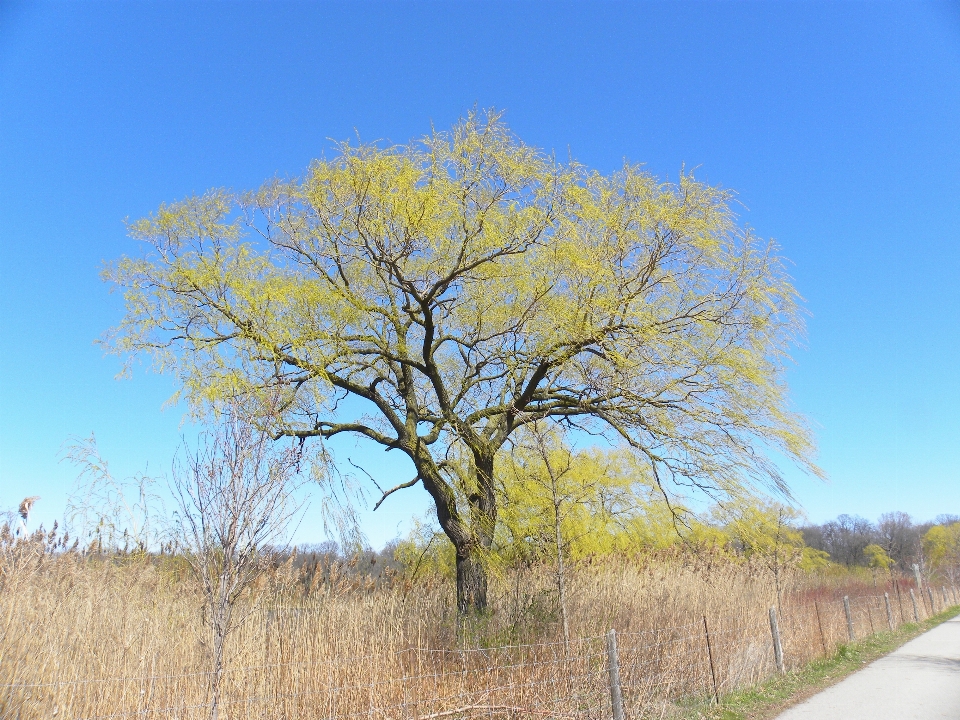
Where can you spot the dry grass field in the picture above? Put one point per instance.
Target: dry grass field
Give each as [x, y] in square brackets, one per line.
[124, 637]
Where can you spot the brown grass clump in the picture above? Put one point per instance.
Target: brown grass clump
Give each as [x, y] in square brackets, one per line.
[124, 637]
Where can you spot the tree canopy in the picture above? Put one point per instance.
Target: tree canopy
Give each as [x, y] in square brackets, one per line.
[463, 286]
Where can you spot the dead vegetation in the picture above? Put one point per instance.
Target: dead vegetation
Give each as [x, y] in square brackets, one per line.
[123, 636]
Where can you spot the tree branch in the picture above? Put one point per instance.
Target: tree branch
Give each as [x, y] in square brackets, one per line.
[392, 490]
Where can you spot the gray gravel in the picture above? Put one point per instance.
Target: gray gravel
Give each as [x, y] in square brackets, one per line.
[920, 680]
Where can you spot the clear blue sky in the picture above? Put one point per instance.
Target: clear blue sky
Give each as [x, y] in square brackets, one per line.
[838, 124]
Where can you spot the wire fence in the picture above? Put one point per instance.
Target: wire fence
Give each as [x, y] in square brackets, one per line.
[618, 675]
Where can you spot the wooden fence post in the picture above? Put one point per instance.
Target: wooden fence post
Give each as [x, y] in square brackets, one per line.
[713, 673]
[777, 646]
[846, 609]
[913, 599]
[823, 640]
[886, 601]
[946, 600]
[933, 606]
[896, 586]
[613, 667]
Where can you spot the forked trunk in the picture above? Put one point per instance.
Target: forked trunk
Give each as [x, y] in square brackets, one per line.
[471, 540]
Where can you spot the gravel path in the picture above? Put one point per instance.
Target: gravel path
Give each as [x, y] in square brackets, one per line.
[920, 680]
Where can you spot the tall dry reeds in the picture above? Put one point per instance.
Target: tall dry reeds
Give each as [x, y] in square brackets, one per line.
[124, 637]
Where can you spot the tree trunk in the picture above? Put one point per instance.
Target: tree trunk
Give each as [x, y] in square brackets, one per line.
[219, 640]
[471, 540]
[471, 583]
[471, 557]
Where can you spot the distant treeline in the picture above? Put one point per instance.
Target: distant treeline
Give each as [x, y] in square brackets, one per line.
[847, 538]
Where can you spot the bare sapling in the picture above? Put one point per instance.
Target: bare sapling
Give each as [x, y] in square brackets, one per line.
[233, 497]
[776, 560]
[553, 474]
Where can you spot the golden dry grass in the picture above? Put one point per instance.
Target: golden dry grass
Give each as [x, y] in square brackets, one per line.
[117, 637]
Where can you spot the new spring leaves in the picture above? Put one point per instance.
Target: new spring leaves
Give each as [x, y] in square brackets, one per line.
[462, 287]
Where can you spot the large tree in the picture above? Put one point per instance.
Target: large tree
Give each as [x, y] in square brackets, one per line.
[437, 296]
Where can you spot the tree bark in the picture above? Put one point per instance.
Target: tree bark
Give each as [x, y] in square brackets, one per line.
[472, 564]
[471, 540]
[221, 616]
[471, 582]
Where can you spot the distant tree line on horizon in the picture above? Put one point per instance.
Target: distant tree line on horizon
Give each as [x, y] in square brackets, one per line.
[848, 539]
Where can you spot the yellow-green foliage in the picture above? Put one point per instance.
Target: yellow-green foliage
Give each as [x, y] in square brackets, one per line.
[607, 505]
[586, 492]
[424, 551]
[941, 545]
[762, 528]
[878, 557]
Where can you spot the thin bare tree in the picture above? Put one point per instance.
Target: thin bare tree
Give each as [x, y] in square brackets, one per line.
[548, 466]
[233, 497]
